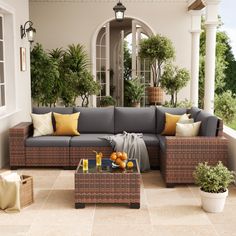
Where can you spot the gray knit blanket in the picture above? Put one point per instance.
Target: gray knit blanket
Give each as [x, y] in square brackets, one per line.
[133, 144]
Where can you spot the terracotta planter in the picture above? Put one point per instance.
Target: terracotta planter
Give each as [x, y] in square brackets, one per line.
[135, 104]
[155, 95]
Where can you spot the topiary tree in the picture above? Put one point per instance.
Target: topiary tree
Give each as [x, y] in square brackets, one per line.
[157, 49]
[86, 86]
[225, 106]
[173, 80]
[45, 83]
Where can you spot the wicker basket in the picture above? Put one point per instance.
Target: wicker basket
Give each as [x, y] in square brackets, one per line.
[26, 191]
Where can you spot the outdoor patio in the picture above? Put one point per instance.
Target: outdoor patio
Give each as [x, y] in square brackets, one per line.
[164, 212]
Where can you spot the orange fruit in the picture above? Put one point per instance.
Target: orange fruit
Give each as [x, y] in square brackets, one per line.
[113, 156]
[130, 164]
[124, 156]
[122, 165]
[119, 154]
[118, 161]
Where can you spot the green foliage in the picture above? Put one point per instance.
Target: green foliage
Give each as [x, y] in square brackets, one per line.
[157, 49]
[86, 86]
[127, 62]
[182, 104]
[45, 82]
[107, 101]
[173, 80]
[213, 179]
[225, 64]
[225, 106]
[134, 90]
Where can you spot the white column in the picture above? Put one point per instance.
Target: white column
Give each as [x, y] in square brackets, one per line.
[108, 59]
[134, 30]
[138, 48]
[211, 24]
[195, 32]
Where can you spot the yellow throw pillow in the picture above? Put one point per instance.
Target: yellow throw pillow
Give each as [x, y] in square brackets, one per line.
[170, 124]
[66, 124]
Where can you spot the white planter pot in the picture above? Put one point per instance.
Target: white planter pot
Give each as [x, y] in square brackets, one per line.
[213, 202]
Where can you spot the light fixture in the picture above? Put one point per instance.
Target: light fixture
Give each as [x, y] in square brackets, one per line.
[119, 10]
[30, 31]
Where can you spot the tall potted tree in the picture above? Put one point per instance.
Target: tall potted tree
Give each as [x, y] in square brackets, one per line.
[172, 80]
[157, 49]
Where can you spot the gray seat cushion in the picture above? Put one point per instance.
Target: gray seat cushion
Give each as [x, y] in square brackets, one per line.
[95, 120]
[136, 120]
[48, 141]
[161, 116]
[90, 140]
[162, 142]
[208, 124]
[150, 139]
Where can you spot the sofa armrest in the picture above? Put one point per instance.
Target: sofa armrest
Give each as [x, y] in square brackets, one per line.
[197, 144]
[17, 136]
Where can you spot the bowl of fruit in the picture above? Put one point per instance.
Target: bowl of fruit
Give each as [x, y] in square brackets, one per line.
[119, 159]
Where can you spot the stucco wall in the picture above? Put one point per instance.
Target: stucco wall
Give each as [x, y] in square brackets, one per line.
[17, 82]
[61, 23]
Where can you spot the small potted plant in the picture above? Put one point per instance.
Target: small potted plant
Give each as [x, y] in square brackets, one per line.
[134, 90]
[213, 182]
[107, 101]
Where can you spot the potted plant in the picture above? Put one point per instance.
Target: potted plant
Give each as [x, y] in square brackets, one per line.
[213, 182]
[172, 80]
[107, 101]
[134, 90]
[157, 49]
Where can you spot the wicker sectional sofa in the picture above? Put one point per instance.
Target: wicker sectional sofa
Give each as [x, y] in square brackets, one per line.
[175, 156]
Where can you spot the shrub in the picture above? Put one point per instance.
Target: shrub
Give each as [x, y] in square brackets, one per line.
[225, 106]
[107, 101]
[213, 179]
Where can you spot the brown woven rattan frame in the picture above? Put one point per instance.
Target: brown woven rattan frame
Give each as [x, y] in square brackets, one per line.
[17, 136]
[107, 188]
[184, 153]
[47, 156]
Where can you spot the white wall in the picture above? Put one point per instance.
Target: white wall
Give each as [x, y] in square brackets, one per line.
[17, 82]
[61, 23]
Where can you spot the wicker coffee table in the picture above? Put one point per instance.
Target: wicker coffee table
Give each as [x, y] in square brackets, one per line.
[107, 185]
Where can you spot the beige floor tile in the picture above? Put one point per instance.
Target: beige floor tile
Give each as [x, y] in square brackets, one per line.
[122, 229]
[178, 215]
[60, 230]
[152, 179]
[184, 230]
[11, 230]
[226, 229]
[40, 171]
[228, 216]
[114, 213]
[64, 182]
[44, 182]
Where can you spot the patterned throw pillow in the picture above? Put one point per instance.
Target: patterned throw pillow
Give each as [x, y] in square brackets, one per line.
[42, 124]
[188, 130]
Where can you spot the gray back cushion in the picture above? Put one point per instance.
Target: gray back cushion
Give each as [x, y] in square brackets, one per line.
[136, 120]
[208, 124]
[194, 112]
[161, 118]
[61, 110]
[95, 120]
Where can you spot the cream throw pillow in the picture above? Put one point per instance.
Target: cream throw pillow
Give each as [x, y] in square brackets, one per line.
[42, 124]
[187, 130]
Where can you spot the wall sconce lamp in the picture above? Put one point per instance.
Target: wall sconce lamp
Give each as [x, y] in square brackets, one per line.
[119, 10]
[30, 31]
